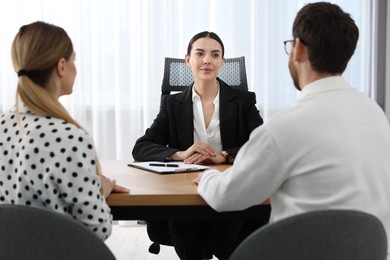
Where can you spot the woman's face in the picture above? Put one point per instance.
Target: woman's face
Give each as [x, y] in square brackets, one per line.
[205, 59]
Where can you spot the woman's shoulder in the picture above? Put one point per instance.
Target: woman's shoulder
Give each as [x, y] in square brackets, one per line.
[182, 96]
[45, 127]
[227, 90]
[53, 124]
[7, 115]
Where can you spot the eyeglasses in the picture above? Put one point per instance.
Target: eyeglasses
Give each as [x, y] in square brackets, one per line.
[288, 45]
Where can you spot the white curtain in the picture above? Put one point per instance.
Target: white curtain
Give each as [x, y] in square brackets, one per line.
[121, 45]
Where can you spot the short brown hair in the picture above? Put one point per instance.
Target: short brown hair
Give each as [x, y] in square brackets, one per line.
[329, 33]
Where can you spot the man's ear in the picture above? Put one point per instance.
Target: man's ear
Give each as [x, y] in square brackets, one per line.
[300, 50]
[61, 67]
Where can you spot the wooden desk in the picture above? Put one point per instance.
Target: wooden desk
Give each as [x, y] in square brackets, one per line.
[158, 197]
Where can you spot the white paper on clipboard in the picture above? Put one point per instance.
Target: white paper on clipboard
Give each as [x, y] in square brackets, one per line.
[168, 167]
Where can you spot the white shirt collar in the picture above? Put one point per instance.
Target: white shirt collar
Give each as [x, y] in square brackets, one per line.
[196, 97]
[323, 85]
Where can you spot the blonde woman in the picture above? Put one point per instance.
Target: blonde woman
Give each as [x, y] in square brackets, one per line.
[47, 159]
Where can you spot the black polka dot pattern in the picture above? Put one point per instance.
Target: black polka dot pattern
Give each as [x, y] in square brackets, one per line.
[48, 163]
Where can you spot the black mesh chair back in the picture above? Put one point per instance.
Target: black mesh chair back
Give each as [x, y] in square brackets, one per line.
[177, 76]
[320, 235]
[32, 233]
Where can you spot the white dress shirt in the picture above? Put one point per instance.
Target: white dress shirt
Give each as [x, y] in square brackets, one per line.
[212, 134]
[329, 150]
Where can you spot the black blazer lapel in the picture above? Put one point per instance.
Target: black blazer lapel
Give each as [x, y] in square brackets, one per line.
[228, 116]
[183, 113]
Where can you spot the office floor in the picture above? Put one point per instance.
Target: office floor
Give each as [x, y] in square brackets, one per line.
[129, 241]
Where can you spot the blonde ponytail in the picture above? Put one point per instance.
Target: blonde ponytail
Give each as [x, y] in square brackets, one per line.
[40, 101]
[36, 49]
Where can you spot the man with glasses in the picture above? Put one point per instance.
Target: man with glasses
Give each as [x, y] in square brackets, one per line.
[329, 150]
[288, 46]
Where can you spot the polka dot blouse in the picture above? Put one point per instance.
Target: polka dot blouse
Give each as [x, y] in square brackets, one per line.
[48, 163]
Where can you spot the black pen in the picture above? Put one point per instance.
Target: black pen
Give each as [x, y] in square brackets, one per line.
[172, 165]
[163, 165]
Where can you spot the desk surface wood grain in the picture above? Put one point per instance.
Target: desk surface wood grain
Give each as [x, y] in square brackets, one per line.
[152, 189]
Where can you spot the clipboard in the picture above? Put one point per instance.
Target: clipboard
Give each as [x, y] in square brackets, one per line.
[168, 167]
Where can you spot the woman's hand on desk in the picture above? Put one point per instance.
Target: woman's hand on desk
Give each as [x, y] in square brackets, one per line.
[197, 148]
[120, 189]
[200, 158]
[108, 186]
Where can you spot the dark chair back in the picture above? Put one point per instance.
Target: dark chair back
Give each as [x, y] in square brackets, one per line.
[320, 235]
[177, 76]
[32, 233]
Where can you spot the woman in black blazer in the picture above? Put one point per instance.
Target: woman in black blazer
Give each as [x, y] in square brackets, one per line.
[206, 123]
[173, 128]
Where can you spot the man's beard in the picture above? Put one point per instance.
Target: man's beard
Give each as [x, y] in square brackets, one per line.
[293, 73]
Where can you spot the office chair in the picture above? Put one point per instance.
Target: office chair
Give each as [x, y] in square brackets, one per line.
[320, 235]
[32, 233]
[159, 234]
[177, 76]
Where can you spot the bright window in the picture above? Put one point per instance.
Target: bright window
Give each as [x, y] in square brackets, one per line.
[121, 46]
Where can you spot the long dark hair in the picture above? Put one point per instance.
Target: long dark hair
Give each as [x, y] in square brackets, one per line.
[205, 34]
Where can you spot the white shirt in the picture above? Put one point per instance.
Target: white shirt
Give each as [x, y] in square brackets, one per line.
[330, 150]
[48, 163]
[212, 134]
